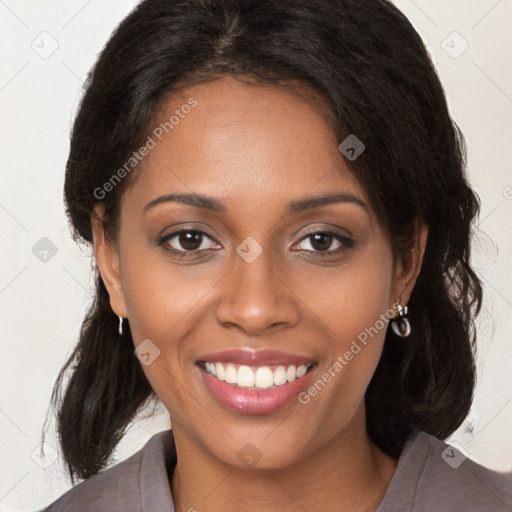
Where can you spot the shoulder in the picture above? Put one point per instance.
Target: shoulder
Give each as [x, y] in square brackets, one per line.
[432, 475]
[122, 487]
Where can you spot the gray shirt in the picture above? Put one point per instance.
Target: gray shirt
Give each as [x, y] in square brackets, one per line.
[431, 476]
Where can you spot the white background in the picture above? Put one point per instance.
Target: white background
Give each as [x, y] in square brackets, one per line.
[42, 304]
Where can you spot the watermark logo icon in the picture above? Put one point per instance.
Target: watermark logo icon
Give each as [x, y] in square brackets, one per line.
[50, 455]
[454, 455]
[249, 454]
[45, 45]
[249, 249]
[44, 250]
[147, 352]
[454, 45]
[352, 147]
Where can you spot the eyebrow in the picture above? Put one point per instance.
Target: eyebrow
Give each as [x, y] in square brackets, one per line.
[211, 204]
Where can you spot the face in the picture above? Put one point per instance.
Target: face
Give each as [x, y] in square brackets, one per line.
[258, 266]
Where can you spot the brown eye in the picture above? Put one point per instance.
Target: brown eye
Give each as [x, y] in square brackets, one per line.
[190, 240]
[187, 240]
[322, 241]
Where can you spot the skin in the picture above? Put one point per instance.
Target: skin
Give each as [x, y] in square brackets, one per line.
[255, 148]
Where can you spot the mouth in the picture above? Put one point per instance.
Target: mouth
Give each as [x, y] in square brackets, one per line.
[255, 377]
[255, 389]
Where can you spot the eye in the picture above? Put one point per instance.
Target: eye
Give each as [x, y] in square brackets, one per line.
[322, 241]
[187, 240]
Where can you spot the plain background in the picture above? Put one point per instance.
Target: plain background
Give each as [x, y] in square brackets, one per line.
[42, 303]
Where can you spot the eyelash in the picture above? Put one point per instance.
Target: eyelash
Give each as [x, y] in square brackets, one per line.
[346, 243]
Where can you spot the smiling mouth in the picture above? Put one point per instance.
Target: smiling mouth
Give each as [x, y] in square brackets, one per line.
[255, 377]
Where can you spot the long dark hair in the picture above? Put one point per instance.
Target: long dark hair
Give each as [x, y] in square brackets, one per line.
[375, 78]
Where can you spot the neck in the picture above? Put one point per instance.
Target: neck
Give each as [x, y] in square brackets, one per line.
[348, 472]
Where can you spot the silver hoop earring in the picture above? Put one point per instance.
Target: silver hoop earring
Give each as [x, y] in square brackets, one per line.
[120, 330]
[400, 325]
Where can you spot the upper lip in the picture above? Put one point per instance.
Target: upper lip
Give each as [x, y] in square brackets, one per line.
[255, 358]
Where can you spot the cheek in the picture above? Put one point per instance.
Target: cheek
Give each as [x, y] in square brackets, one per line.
[361, 299]
[165, 304]
[351, 300]
[159, 296]
[353, 306]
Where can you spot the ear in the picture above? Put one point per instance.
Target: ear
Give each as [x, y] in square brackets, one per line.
[407, 273]
[107, 259]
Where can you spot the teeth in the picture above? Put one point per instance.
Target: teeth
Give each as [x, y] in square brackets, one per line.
[280, 376]
[244, 377]
[231, 375]
[219, 371]
[301, 371]
[262, 378]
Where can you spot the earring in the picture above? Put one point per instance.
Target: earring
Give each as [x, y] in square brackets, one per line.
[120, 330]
[400, 325]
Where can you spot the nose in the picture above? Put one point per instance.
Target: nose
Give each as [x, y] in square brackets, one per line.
[256, 298]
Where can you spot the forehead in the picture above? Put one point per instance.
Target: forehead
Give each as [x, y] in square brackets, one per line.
[242, 141]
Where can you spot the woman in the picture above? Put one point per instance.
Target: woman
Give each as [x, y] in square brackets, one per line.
[277, 201]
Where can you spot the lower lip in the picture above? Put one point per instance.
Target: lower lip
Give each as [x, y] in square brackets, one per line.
[255, 401]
